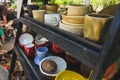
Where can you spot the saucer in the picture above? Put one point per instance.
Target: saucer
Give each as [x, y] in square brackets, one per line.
[37, 60]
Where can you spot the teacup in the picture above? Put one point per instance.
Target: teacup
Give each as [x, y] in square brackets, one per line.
[29, 49]
[41, 52]
[39, 43]
[52, 19]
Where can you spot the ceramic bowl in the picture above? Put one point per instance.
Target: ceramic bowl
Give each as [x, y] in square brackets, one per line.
[25, 38]
[73, 29]
[73, 19]
[69, 75]
[61, 65]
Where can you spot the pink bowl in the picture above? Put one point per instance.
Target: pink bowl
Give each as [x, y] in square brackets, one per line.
[25, 38]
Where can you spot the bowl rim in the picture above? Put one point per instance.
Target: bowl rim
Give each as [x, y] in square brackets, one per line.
[25, 34]
[71, 72]
[53, 58]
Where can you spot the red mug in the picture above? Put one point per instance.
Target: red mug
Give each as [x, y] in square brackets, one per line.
[29, 49]
[40, 44]
[56, 49]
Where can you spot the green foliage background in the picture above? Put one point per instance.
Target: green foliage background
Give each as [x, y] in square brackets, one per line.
[104, 3]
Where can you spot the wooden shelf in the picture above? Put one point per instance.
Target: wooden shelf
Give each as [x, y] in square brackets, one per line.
[96, 56]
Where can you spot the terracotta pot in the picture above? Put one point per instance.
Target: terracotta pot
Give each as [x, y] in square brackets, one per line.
[96, 26]
[38, 14]
[73, 19]
[51, 8]
[30, 8]
[110, 71]
[73, 24]
[25, 8]
[73, 29]
[78, 10]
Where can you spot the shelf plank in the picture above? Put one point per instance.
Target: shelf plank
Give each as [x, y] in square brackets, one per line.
[82, 49]
[30, 68]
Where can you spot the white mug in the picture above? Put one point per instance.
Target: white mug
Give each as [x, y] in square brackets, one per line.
[52, 19]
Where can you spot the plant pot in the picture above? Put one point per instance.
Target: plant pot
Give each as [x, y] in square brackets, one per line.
[38, 14]
[51, 8]
[96, 26]
[30, 8]
[78, 10]
[73, 29]
[72, 24]
[110, 71]
[73, 19]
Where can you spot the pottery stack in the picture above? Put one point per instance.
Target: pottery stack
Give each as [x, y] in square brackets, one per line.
[73, 20]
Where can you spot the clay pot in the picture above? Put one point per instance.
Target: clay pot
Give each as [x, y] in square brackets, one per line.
[38, 14]
[73, 19]
[96, 26]
[52, 8]
[78, 10]
[72, 24]
[25, 8]
[73, 29]
[110, 71]
[30, 8]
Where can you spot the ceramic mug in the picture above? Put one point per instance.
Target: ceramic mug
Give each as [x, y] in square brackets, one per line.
[41, 52]
[29, 49]
[39, 43]
[52, 19]
[55, 48]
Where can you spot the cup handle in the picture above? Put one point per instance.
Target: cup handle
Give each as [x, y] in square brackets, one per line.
[90, 9]
[57, 20]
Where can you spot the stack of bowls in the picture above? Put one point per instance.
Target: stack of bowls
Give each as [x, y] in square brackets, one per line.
[73, 21]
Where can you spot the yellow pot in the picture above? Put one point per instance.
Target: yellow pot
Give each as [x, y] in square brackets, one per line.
[51, 8]
[38, 14]
[70, 75]
[73, 29]
[72, 24]
[78, 10]
[73, 19]
[96, 26]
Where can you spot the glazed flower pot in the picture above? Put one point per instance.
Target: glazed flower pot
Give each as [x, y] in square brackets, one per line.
[96, 26]
[52, 8]
[30, 8]
[73, 19]
[78, 10]
[38, 15]
[73, 29]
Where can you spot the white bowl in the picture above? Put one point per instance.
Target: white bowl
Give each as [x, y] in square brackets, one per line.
[25, 38]
[61, 64]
